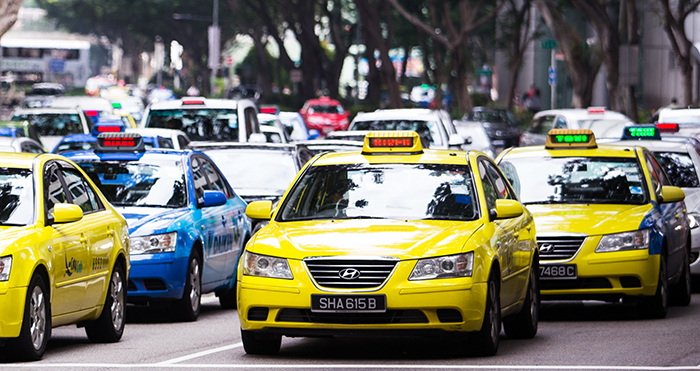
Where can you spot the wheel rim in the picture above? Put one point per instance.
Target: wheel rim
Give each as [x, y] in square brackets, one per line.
[117, 293]
[37, 316]
[194, 285]
[493, 313]
[533, 301]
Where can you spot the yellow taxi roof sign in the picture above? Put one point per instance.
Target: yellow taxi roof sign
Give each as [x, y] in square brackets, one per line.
[395, 142]
[570, 139]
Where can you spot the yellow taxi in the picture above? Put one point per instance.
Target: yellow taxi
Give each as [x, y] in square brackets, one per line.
[610, 225]
[395, 239]
[63, 255]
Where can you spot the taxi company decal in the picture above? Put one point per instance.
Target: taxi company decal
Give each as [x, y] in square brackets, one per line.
[72, 266]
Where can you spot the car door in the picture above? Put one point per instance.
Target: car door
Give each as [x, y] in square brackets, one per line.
[514, 262]
[671, 214]
[68, 246]
[217, 223]
[100, 225]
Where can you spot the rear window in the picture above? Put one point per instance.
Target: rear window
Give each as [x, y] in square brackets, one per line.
[429, 131]
[326, 109]
[57, 124]
[199, 124]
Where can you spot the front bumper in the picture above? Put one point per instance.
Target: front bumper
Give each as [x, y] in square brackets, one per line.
[413, 307]
[156, 277]
[12, 301]
[604, 276]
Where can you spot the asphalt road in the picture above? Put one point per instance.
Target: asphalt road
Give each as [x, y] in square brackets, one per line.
[572, 336]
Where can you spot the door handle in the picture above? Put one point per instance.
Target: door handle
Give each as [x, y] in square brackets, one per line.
[83, 239]
[516, 234]
[110, 232]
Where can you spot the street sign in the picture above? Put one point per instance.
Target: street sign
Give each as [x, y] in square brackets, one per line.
[552, 75]
[484, 72]
[56, 65]
[549, 44]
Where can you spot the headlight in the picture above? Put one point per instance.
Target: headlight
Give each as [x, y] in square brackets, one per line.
[444, 267]
[693, 220]
[636, 240]
[153, 243]
[5, 267]
[265, 266]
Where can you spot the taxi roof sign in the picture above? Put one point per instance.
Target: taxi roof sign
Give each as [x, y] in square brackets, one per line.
[384, 142]
[120, 142]
[570, 139]
[641, 132]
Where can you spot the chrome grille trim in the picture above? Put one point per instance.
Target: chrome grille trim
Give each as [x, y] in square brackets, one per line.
[375, 271]
[564, 247]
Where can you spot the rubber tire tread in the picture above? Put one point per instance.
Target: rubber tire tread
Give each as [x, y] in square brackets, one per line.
[21, 348]
[102, 330]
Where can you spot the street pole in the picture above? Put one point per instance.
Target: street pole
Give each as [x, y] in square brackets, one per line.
[215, 63]
[357, 61]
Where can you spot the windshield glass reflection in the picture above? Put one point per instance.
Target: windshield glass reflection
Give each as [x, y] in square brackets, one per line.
[16, 197]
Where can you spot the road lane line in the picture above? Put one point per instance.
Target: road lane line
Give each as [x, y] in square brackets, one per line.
[35, 365]
[200, 354]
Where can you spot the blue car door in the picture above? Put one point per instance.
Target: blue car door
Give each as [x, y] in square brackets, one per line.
[217, 223]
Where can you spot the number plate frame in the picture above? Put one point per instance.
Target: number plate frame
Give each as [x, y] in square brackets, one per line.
[568, 271]
[322, 303]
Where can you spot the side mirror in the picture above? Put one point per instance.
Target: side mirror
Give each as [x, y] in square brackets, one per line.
[455, 140]
[260, 210]
[257, 138]
[66, 213]
[671, 194]
[468, 140]
[506, 209]
[213, 198]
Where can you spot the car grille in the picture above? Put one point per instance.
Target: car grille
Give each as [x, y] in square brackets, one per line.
[328, 272]
[559, 247]
[390, 316]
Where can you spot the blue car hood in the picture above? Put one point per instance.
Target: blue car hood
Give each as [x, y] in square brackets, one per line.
[144, 221]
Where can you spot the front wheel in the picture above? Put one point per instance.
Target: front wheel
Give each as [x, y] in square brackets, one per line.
[109, 327]
[485, 341]
[187, 308]
[657, 305]
[260, 343]
[36, 325]
[524, 324]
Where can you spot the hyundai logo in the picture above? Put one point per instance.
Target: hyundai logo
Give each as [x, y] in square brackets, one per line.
[349, 274]
[545, 248]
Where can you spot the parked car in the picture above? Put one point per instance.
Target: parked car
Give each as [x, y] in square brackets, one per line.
[501, 125]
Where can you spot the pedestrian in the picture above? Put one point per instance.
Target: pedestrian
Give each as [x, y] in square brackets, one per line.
[533, 103]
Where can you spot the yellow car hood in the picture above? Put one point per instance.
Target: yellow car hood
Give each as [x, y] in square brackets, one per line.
[10, 235]
[589, 219]
[376, 237]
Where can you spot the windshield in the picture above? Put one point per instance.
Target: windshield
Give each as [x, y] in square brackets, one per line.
[379, 191]
[256, 172]
[428, 130]
[198, 124]
[498, 117]
[53, 124]
[326, 109]
[145, 182]
[16, 196]
[576, 180]
[679, 168]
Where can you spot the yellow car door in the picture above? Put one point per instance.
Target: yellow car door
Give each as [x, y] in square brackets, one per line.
[69, 248]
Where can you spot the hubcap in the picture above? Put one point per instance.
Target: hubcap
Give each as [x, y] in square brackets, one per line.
[493, 313]
[37, 317]
[117, 293]
[195, 285]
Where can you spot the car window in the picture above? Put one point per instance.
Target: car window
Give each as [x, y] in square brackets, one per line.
[198, 124]
[215, 178]
[80, 192]
[54, 190]
[560, 123]
[499, 181]
[182, 141]
[165, 142]
[16, 196]
[490, 192]
[54, 124]
[658, 175]
[680, 169]
[429, 131]
[542, 125]
[331, 109]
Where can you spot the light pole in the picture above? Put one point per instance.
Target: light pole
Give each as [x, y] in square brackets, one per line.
[214, 46]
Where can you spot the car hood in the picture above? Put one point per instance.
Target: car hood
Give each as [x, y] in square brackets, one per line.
[587, 219]
[143, 221]
[10, 235]
[367, 237]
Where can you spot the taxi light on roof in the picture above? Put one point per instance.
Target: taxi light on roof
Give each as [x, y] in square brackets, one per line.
[641, 132]
[668, 127]
[187, 101]
[116, 105]
[567, 138]
[92, 113]
[119, 142]
[596, 109]
[392, 142]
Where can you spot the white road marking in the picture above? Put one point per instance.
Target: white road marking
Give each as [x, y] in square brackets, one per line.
[199, 354]
[343, 366]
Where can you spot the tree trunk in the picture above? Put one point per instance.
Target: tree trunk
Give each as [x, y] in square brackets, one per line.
[8, 14]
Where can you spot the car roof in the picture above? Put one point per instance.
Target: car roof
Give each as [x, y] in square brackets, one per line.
[398, 114]
[603, 150]
[429, 156]
[658, 145]
[84, 102]
[163, 132]
[206, 146]
[208, 103]
[45, 110]
[17, 160]
[582, 113]
[324, 101]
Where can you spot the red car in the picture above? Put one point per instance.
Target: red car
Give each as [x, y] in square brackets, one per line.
[325, 115]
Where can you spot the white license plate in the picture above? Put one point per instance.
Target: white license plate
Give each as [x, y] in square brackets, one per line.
[558, 272]
[348, 303]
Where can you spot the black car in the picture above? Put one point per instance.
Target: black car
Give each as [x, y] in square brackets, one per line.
[500, 124]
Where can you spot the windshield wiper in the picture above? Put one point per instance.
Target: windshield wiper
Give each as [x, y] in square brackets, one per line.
[361, 217]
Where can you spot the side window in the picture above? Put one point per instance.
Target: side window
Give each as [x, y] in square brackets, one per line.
[200, 181]
[182, 141]
[542, 125]
[251, 122]
[215, 178]
[80, 192]
[560, 123]
[164, 143]
[499, 182]
[658, 176]
[54, 193]
[489, 189]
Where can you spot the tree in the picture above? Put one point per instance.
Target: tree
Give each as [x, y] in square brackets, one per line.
[674, 26]
[451, 23]
[8, 14]
[583, 63]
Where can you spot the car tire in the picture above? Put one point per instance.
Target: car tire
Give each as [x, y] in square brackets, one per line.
[484, 342]
[262, 344]
[681, 291]
[36, 324]
[109, 327]
[227, 298]
[524, 324]
[657, 305]
[187, 308]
